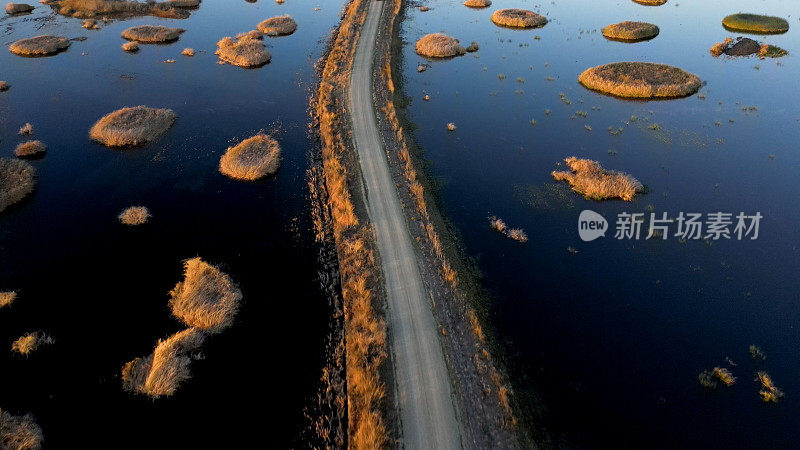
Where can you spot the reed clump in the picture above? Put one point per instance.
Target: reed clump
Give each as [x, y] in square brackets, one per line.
[134, 215]
[116, 9]
[206, 299]
[771, 51]
[188, 52]
[769, 392]
[630, 31]
[131, 47]
[132, 126]
[278, 26]
[44, 45]
[30, 149]
[439, 45]
[590, 179]
[500, 226]
[18, 8]
[478, 3]
[3, 86]
[245, 51]
[640, 80]
[28, 343]
[152, 34]
[90, 24]
[252, 158]
[19, 432]
[17, 181]
[724, 375]
[7, 298]
[650, 2]
[720, 47]
[518, 18]
[755, 23]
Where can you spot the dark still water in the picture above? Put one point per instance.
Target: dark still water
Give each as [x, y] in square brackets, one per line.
[101, 288]
[614, 333]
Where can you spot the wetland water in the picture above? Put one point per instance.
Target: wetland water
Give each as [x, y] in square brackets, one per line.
[613, 337]
[101, 289]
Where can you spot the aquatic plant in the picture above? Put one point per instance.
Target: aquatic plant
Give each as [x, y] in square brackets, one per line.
[188, 52]
[472, 47]
[45, 45]
[7, 298]
[18, 8]
[439, 45]
[251, 159]
[650, 2]
[207, 298]
[3, 86]
[17, 181]
[756, 353]
[28, 343]
[771, 51]
[189, 4]
[131, 47]
[478, 3]
[26, 129]
[518, 18]
[640, 79]
[769, 392]
[152, 34]
[90, 24]
[278, 26]
[630, 31]
[132, 126]
[30, 149]
[755, 23]
[724, 375]
[245, 51]
[19, 432]
[116, 9]
[134, 215]
[720, 47]
[588, 178]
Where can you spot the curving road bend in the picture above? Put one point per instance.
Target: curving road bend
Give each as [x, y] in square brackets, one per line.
[427, 410]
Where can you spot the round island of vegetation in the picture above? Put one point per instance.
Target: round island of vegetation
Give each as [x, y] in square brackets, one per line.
[518, 18]
[18, 8]
[245, 51]
[278, 26]
[206, 299]
[39, 46]
[640, 80]
[478, 3]
[17, 180]
[630, 31]
[754, 23]
[152, 34]
[128, 127]
[438, 45]
[252, 158]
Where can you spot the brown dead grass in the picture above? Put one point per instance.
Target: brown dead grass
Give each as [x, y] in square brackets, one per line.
[162, 372]
[755, 23]
[245, 51]
[630, 31]
[189, 4]
[7, 298]
[518, 18]
[500, 226]
[720, 47]
[30, 149]
[18, 8]
[3, 86]
[39, 46]
[724, 375]
[131, 47]
[769, 392]
[134, 215]
[650, 2]
[19, 432]
[28, 343]
[478, 3]
[207, 298]
[152, 34]
[132, 126]
[252, 158]
[589, 179]
[17, 181]
[278, 26]
[438, 45]
[641, 80]
[26, 129]
[116, 9]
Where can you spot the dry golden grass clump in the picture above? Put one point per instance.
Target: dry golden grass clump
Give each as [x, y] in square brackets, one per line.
[278, 26]
[3, 86]
[17, 8]
[188, 52]
[134, 215]
[246, 51]
[152, 34]
[755, 23]
[769, 392]
[90, 24]
[163, 371]
[251, 159]
[30, 149]
[472, 47]
[641, 80]
[132, 126]
[651, 2]
[26, 129]
[206, 299]
[252, 34]
[7, 298]
[500, 226]
[28, 343]
[438, 45]
[19, 432]
[87, 9]
[724, 375]
[478, 3]
[720, 47]
[39, 46]
[771, 51]
[630, 31]
[518, 18]
[589, 179]
[17, 180]
[131, 47]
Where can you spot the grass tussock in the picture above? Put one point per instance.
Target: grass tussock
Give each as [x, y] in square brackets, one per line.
[518, 18]
[439, 45]
[188, 52]
[90, 24]
[206, 299]
[769, 392]
[152, 34]
[39, 46]
[3, 86]
[478, 3]
[500, 226]
[18, 8]
[641, 80]
[116, 9]
[720, 47]
[251, 159]
[755, 23]
[162, 372]
[650, 2]
[134, 215]
[30, 149]
[245, 51]
[630, 31]
[131, 47]
[278, 26]
[590, 179]
[26, 129]
[17, 181]
[30, 342]
[7, 298]
[132, 126]
[771, 51]
[723, 375]
[19, 432]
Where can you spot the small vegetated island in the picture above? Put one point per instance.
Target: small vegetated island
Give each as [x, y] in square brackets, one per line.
[134, 126]
[30, 150]
[478, 3]
[45, 45]
[134, 215]
[18, 8]
[630, 31]
[252, 158]
[17, 180]
[152, 34]
[754, 23]
[439, 45]
[246, 50]
[590, 179]
[518, 18]
[743, 46]
[19, 432]
[640, 80]
[278, 26]
[650, 2]
[122, 9]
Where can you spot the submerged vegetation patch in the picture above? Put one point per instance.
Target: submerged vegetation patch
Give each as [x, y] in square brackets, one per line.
[17, 181]
[518, 18]
[278, 26]
[650, 2]
[247, 50]
[19, 432]
[755, 23]
[39, 46]
[132, 126]
[439, 45]
[743, 46]
[28, 343]
[206, 299]
[630, 31]
[641, 80]
[152, 34]
[590, 179]
[252, 158]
